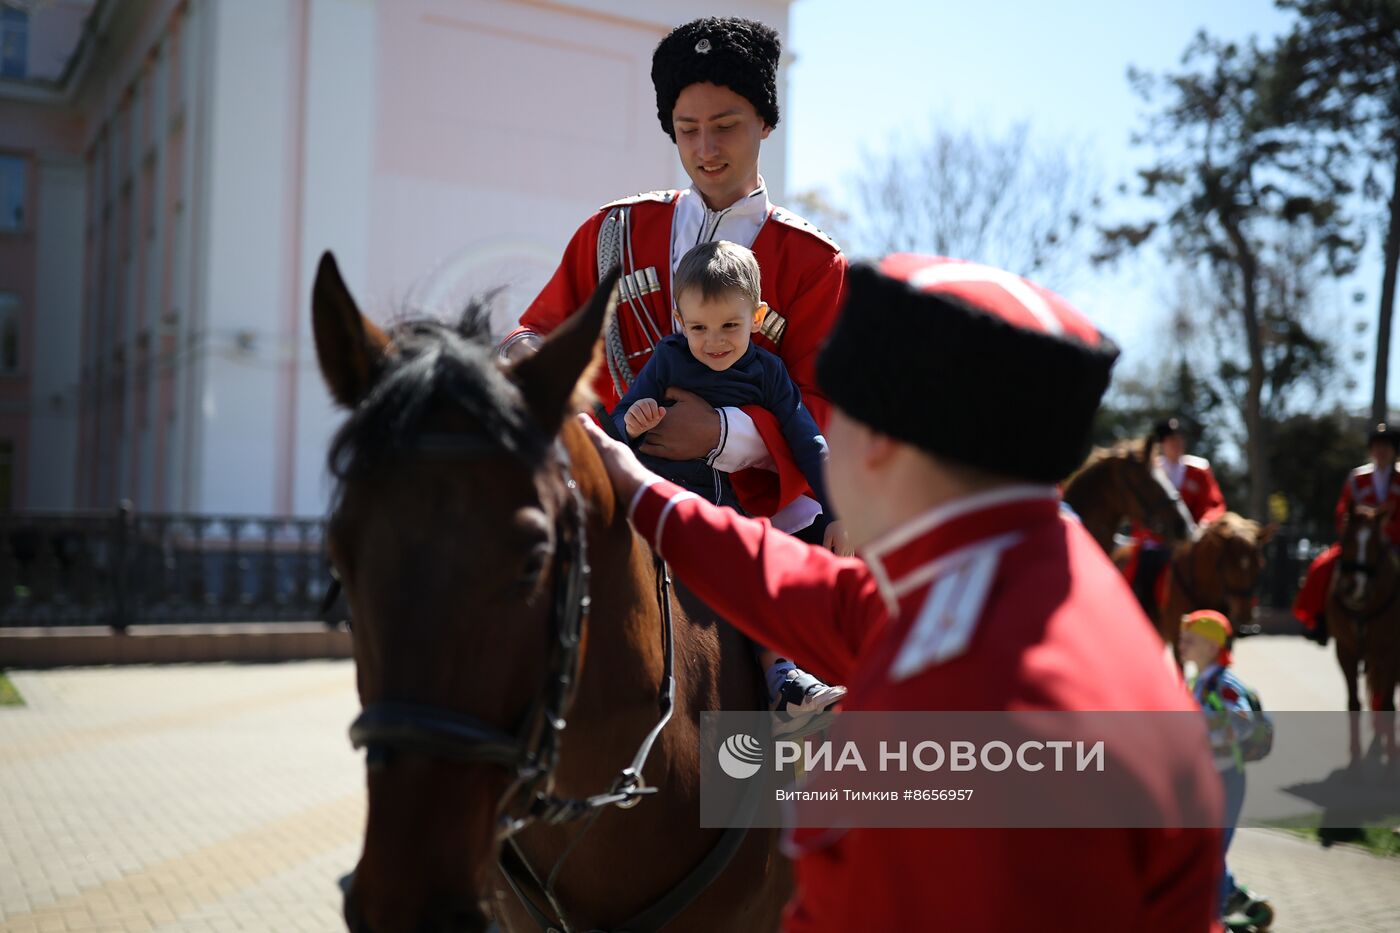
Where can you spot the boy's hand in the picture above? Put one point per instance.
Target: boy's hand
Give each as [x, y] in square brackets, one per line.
[835, 540]
[624, 470]
[644, 415]
[691, 430]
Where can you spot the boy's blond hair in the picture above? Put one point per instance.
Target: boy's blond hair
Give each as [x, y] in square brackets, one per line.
[718, 268]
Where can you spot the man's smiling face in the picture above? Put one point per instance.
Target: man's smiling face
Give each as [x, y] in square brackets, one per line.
[718, 134]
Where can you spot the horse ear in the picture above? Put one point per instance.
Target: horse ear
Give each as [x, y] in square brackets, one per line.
[1266, 534]
[349, 347]
[549, 377]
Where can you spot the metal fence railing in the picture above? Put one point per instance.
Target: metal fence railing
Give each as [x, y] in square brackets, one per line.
[1287, 555]
[123, 568]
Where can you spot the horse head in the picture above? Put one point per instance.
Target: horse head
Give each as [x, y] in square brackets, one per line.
[458, 532]
[1124, 483]
[1363, 554]
[1226, 560]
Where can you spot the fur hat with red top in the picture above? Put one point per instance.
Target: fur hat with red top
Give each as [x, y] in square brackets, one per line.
[968, 362]
[740, 54]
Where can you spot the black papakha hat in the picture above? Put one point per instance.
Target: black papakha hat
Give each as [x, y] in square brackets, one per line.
[740, 54]
[969, 363]
[1384, 432]
[1166, 428]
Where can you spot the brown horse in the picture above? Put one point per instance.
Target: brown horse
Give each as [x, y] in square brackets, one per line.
[500, 600]
[1363, 607]
[1218, 570]
[1122, 483]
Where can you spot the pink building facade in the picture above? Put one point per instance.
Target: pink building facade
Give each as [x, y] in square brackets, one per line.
[190, 162]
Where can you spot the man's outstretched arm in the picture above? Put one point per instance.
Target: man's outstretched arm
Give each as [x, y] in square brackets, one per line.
[801, 601]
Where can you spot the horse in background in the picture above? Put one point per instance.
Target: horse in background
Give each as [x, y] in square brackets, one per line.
[1121, 484]
[1218, 570]
[500, 598]
[1363, 610]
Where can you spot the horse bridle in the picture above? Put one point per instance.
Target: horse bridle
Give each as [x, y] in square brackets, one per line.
[1371, 570]
[530, 753]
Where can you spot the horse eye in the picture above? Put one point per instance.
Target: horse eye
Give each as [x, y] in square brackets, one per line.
[534, 566]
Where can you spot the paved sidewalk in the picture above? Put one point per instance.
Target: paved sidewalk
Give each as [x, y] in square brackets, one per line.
[226, 797]
[1292, 673]
[1344, 889]
[200, 798]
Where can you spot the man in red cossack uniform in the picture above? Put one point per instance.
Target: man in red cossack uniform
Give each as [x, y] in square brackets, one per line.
[716, 97]
[1373, 484]
[975, 593]
[1195, 482]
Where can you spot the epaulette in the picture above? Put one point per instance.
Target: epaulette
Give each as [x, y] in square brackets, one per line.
[789, 219]
[952, 609]
[1200, 463]
[1364, 470]
[663, 196]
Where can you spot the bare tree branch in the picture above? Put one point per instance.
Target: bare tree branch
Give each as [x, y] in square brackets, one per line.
[1004, 199]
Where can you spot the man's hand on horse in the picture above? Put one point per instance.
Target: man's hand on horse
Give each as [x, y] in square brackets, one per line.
[625, 471]
[689, 431]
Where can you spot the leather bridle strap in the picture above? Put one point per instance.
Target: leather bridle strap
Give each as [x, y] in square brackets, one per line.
[434, 732]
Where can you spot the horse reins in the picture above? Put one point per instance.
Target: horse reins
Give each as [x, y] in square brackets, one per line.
[1173, 497]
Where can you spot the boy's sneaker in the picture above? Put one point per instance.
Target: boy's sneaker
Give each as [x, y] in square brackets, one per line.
[1247, 912]
[800, 702]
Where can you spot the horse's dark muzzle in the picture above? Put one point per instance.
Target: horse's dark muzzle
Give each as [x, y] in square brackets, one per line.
[445, 917]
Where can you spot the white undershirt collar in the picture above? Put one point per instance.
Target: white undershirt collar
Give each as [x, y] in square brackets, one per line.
[695, 223]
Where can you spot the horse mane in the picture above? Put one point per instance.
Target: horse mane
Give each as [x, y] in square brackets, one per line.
[1232, 525]
[431, 363]
[1133, 448]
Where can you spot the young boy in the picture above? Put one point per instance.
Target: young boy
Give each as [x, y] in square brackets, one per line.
[718, 307]
[1205, 643]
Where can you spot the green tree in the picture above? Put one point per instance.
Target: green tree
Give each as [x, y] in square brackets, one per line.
[1242, 205]
[1339, 75]
[1311, 458]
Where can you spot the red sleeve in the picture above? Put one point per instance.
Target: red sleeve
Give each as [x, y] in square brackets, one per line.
[802, 601]
[1212, 500]
[570, 286]
[810, 316]
[1343, 502]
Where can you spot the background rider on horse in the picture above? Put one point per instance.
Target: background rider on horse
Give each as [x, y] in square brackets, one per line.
[1375, 485]
[1200, 493]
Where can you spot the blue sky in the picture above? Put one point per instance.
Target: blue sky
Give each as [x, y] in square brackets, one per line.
[867, 69]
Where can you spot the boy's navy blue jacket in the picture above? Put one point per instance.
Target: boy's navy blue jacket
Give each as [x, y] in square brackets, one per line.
[758, 378]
